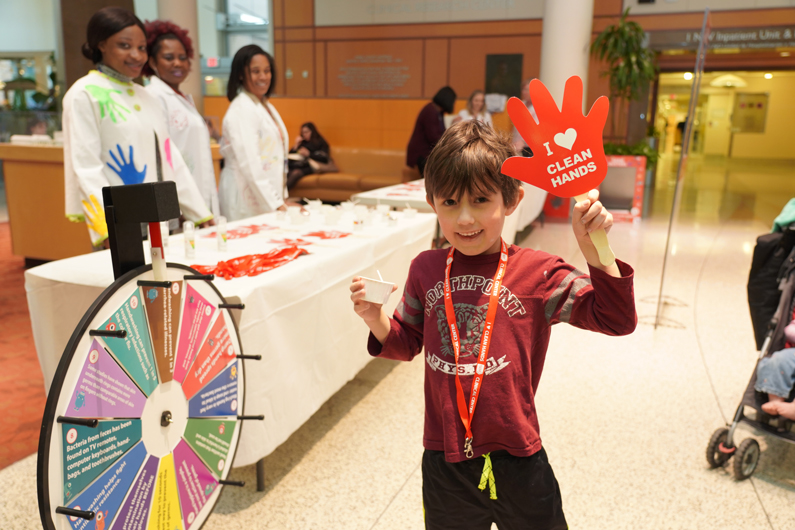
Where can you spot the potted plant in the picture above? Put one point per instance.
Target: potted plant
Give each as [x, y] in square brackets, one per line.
[630, 65]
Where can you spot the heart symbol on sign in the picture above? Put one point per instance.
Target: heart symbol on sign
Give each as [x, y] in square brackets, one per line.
[566, 139]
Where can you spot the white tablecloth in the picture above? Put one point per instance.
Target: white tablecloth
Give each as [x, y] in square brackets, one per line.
[298, 317]
[413, 194]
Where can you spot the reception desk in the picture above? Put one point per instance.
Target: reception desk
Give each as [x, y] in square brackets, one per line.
[35, 197]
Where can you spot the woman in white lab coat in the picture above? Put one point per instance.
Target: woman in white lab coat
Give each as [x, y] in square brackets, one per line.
[170, 52]
[113, 128]
[255, 142]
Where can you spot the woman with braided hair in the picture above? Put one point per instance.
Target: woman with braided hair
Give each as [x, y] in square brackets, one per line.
[170, 53]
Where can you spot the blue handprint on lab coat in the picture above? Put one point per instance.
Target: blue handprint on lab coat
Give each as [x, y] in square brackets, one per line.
[126, 169]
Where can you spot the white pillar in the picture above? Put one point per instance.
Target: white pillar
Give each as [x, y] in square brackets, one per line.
[565, 43]
[184, 14]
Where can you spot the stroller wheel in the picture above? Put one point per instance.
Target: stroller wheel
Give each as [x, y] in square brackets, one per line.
[715, 456]
[747, 459]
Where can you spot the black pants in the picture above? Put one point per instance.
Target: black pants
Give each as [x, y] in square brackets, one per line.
[528, 496]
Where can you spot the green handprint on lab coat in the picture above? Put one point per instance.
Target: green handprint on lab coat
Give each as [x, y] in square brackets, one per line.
[106, 102]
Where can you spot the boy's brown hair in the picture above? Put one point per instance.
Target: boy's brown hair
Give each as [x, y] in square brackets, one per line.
[468, 158]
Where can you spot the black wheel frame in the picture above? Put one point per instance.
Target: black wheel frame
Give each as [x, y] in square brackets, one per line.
[50, 409]
[715, 457]
[747, 459]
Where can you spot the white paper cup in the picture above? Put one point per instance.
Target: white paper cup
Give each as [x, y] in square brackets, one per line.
[296, 217]
[347, 206]
[383, 208]
[409, 213]
[333, 216]
[376, 291]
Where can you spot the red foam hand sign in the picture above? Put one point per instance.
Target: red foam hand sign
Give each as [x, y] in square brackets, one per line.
[568, 153]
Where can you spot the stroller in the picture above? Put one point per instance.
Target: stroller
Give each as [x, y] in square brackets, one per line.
[771, 300]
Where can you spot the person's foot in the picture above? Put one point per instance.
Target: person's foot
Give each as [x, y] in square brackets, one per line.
[780, 408]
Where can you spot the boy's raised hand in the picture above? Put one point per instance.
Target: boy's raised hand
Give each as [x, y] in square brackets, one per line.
[588, 216]
[371, 313]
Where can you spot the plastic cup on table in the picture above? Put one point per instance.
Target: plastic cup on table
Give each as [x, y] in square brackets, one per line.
[377, 291]
[347, 206]
[295, 215]
[409, 212]
[383, 208]
[333, 216]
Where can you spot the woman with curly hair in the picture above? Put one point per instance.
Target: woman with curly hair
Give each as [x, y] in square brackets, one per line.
[114, 129]
[170, 53]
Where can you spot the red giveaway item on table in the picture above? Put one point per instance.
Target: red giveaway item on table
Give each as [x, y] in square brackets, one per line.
[294, 242]
[333, 234]
[568, 153]
[240, 232]
[252, 264]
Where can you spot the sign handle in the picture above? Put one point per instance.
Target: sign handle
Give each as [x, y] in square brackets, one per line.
[599, 239]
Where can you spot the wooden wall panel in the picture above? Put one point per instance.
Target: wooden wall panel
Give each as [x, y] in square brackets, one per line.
[279, 59]
[468, 59]
[451, 29]
[278, 13]
[607, 7]
[299, 57]
[436, 60]
[320, 68]
[299, 34]
[299, 13]
[359, 68]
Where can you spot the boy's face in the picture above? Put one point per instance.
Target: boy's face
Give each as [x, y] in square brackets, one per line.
[473, 225]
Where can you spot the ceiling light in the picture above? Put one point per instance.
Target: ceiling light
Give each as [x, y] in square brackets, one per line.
[251, 19]
[768, 76]
[785, 54]
[688, 76]
[728, 80]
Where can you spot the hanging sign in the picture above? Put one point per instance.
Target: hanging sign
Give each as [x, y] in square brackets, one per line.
[163, 311]
[135, 512]
[212, 440]
[568, 153]
[218, 397]
[197, 314]
[165, 514]
[195, 482]
[134, 352]
[88, 452]
[105, 495]
[216, 352]
[103, 389]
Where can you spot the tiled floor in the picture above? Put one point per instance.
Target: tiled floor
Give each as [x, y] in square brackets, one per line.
[22, 397]
[625, 420]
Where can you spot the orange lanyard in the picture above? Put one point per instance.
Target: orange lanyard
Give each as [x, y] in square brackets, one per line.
[468, 412]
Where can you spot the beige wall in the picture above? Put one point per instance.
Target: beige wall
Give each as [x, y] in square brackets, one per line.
[778, 140]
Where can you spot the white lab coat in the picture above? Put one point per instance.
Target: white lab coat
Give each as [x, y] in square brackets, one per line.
[254, 147]
[188, 131]
[108, 124]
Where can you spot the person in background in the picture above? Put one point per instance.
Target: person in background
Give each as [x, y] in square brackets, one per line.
[429, 127]
[113, 128]
[170, 52]
[254, 143]
[476, 109]
[310, 154]
[37, 125]
[519, 145]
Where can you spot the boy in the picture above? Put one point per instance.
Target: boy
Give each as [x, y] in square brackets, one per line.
[483, 312]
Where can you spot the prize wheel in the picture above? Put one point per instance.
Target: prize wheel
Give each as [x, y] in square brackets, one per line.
[143, 416]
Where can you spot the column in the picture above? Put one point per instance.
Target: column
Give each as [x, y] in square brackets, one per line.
[184, 14]
[565, 43]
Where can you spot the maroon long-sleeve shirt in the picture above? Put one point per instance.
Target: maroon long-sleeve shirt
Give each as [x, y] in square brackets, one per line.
[428, 129]
[538, 290]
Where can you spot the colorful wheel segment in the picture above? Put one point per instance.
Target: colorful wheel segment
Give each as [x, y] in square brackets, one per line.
[141, 425]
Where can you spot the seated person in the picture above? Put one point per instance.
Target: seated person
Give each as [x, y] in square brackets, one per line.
[775, 376]
[310, 154]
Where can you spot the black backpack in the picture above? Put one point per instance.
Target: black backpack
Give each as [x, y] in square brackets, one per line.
[771, 262]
